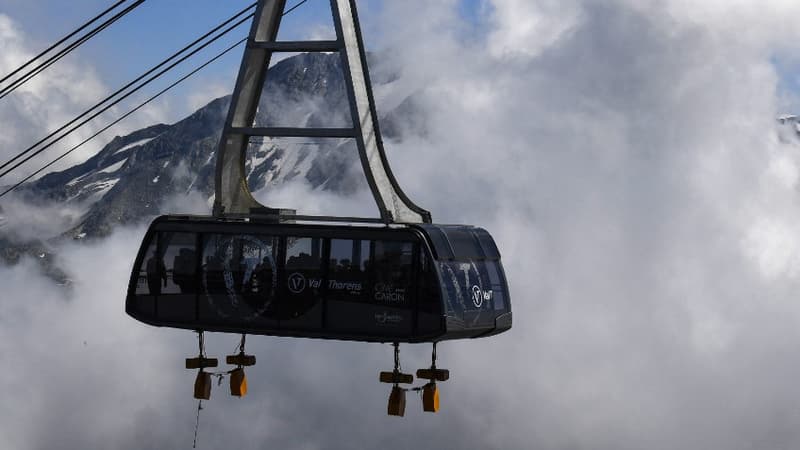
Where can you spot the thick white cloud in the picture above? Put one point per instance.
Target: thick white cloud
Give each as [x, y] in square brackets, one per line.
[52, 99]
[525, 28]
[631, 171]
[629, 167]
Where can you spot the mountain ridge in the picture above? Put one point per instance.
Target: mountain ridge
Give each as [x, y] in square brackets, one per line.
[132, 177]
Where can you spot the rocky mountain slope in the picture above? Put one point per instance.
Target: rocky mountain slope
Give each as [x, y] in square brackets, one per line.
[131, 179]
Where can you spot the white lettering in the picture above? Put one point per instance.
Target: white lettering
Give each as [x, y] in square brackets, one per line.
[346, 286]
[479, 296]
[386, 293]
[388, 318]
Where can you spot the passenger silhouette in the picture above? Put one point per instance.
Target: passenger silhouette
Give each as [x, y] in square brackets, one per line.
[183, 270]
[261, 279]
[156, 271]
[215, 280]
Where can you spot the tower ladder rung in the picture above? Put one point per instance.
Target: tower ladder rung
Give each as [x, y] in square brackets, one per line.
[298, 46]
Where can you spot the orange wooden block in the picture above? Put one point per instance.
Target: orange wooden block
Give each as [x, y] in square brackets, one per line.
[241, 360]
[200, 363]
[396, 377]
[397, 402]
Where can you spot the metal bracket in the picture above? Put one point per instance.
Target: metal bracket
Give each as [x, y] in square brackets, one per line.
[233, 196]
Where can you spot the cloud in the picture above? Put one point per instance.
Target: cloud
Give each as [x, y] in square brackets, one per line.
[67, 346]
[44, 103]
[524, 28]
[630, 170]
[299, 194]
[211, 90]
[629, 167]
[24, 222]
[52, 99]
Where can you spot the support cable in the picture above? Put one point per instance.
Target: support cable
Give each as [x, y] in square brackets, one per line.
[121, 118]
[149, 100]
[63, 52]
[62, 40]
[293, 8]
[91, 110]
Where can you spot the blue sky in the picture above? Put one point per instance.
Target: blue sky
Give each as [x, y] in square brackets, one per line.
[157, 28]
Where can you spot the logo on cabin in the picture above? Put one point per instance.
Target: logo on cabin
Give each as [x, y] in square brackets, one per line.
[297, 283]
[388, 294]
[388, 318]
[479, 296]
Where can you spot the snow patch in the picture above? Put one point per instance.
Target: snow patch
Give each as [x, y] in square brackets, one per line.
[97, 190]
[114, 167]
[135, 144]
[75, 180]
[110, 169]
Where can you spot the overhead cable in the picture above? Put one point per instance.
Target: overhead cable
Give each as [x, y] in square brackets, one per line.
[62, 40]
[299, 4]
[63, 52]
[121, 118]
[121, 94]
[141, 105]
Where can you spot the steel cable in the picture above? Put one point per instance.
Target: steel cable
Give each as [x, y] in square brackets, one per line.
[149, 100]
[5, 91]
[121, 118]
[121, 90]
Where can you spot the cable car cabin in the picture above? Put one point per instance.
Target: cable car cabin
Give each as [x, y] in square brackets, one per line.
[408, 283]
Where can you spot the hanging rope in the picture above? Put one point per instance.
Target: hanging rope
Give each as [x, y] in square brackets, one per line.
[201, 344]
[197, 422]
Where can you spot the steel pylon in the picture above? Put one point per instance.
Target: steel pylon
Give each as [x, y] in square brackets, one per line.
[233, 196]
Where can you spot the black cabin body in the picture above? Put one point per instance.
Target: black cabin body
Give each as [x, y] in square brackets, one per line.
[406, 283]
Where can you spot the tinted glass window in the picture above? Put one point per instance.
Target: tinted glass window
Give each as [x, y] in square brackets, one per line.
[440, 244]
[149, 281]
[238, 263]
[465, 245]
[487, 244]
[497, 283]
[177, 266]
[302, 280]
[347, 269]
[260, 255]
[239, 274]
[392, 273]
[303, 253]
[429, 300]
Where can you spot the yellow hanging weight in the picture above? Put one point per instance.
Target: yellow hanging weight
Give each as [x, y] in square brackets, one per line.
[238, 383]
[430, 398]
